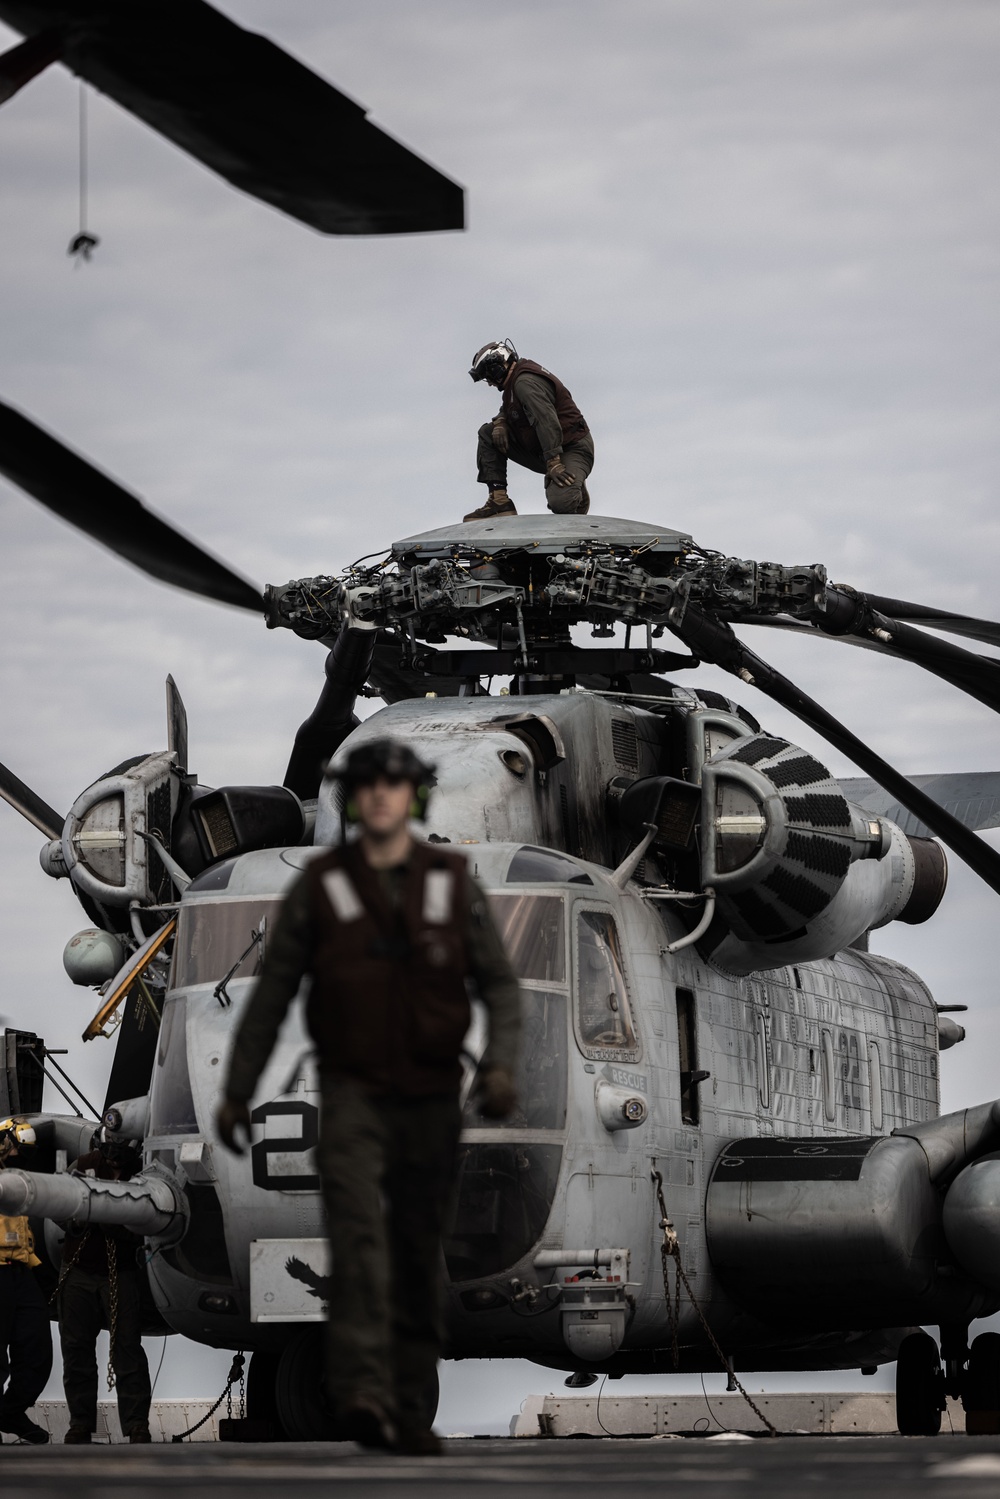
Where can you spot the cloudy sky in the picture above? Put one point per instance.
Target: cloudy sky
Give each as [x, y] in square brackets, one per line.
[759, 242]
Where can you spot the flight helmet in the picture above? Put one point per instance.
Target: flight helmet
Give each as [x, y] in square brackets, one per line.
[493, 361]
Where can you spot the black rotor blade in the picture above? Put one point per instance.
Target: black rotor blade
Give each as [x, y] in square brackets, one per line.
[969, 671]
[73, 489]
[714, 641]
[986, 630]
[332, 719]
[246, 109]
[30, 804]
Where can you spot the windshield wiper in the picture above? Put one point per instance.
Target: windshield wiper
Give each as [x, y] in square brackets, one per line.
[220, 991]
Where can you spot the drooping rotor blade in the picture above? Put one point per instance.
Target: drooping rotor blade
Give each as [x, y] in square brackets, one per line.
[971, 796]
[332, 719]
[714, 641]
[970, 671]
[72, 488]
[248, 111]
[30, 804]
[986, 630]
[177, 724]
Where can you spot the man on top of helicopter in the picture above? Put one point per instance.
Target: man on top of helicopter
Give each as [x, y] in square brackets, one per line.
[388, 928]
[539, 426]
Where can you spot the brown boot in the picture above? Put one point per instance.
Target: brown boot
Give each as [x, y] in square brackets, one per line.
[499, 503]
[140, 1436]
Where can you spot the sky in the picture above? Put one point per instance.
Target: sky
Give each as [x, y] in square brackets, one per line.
[760, 244]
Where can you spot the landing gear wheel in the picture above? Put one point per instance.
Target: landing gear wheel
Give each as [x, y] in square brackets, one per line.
[981, 1386]
[262, 1404]
[300, 1389]
[919, 1386]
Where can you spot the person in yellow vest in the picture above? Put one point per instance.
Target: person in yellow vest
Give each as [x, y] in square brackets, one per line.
[25, 1334]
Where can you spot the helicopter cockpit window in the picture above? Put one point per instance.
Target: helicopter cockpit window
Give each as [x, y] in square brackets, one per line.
[531, 930]
[541, 1069]
[602, 998]
[541, 866]
[172, 1110]
[213, 935]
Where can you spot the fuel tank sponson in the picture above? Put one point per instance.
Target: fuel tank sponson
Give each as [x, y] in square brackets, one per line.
[807, 1233]
[148, 1205]
[972, 1220]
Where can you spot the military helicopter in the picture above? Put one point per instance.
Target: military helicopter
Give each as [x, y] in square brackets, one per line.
[718, 1076]
[241, 106]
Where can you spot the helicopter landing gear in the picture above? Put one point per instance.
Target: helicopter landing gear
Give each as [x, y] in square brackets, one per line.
[981, 1386]
[262, 1405]
[300, 1388]
[919, 1386]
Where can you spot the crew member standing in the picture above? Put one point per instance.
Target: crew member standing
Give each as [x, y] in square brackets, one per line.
[25, 1335]
[99, 1287]
[539, 426]
[388, 928]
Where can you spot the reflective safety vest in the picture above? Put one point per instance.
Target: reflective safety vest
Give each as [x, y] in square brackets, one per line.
[17, 1243]
[388, 1003]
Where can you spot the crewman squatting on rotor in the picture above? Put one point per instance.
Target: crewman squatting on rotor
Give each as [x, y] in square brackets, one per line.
[25, 1336]
[99, 1287]
[539, 425]
[388, 928]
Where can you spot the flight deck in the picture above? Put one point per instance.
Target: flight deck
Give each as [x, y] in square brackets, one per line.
[720, 1467]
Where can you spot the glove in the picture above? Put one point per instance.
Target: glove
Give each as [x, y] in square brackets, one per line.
[496, 1094]
[501, 435]
[557, 473]
[233, 1115]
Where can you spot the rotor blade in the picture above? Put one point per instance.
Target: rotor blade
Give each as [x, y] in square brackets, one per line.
[248, 111]
[73, 489]
[29, 804]
[714, 641]
[969, 671]
[937, 619]
[177, 724]
[332, 719]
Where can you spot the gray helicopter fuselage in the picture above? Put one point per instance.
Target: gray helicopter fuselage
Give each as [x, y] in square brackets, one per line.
[687, 1059]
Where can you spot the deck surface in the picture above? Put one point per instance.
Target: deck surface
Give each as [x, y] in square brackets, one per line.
[859, 1467]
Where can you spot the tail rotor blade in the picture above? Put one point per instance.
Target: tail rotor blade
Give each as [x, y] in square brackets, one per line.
[73, 489]
[30, 804]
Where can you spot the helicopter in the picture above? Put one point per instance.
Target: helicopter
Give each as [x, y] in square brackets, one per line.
[728, 1146]
[240, 105]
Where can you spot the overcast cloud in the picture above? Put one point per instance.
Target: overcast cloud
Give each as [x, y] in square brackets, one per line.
[760, 243]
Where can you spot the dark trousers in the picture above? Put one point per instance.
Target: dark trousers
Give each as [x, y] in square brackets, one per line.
[578, 457]
[25, 1340]
[387, 1167]
[84, 1309]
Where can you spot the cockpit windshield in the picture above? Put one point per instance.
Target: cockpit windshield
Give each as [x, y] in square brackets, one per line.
[532, 930]
[216, 939]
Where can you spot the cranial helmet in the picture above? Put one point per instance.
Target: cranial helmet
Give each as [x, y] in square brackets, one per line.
[390, 759]
[15, 1133]
[492, 362]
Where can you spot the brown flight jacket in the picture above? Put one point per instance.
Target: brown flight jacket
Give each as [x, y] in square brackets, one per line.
[571, 421]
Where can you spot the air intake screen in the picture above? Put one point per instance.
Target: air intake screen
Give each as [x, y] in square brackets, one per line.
[218, 826]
